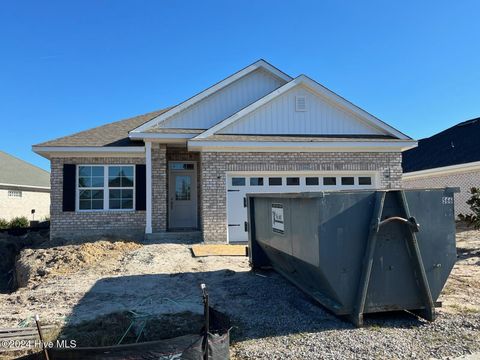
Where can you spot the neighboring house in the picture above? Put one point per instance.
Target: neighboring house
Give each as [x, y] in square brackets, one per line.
[189, 167]
[449, 158]
[24, 188]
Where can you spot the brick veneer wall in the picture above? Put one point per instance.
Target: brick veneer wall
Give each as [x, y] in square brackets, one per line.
[214, 166]
[159, 188]
[463, 180]
[84, 224]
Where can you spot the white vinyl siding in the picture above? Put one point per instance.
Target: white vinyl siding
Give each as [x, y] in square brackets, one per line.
[321, 117]
[225, 102]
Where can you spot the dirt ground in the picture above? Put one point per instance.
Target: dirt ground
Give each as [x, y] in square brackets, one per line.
[73, 283]
[462, 291]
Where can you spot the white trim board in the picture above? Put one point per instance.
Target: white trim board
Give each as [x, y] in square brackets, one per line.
[445, 170]
[211, 90]
[89, 151]
[319, 90]
[170, 138]
[301, 146]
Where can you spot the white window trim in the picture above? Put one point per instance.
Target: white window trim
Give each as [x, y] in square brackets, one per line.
[106, 194]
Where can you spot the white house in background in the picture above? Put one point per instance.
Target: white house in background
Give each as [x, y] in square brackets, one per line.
[449, 158]
[24, 189]
[188, 167]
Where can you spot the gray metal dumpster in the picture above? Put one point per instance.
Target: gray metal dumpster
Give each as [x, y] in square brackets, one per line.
[361, 251]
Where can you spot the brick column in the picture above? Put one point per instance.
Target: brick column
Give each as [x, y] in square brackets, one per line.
[159, 187]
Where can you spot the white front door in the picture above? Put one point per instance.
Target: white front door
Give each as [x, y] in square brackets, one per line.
[240, 184]
[182, 195]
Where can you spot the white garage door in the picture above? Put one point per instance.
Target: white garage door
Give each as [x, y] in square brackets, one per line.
[238, 185]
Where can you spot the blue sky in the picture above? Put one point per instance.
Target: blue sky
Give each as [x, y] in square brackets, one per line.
[66, 66]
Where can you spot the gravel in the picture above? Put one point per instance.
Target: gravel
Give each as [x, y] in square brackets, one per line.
[271, 318]
[284, 324]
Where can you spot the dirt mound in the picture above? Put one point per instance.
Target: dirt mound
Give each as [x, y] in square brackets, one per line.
[10, 246]
[34, 265]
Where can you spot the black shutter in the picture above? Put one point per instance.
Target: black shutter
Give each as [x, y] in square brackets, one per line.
[69, 174]
[140, 187]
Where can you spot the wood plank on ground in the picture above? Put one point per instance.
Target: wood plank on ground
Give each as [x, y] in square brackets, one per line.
[219, 250]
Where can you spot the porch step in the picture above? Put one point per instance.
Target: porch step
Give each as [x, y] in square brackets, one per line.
[175, 237]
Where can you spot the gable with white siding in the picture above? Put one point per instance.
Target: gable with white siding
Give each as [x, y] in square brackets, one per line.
[225, 102]
[282, 116]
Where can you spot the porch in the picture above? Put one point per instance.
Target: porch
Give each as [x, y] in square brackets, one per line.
[172, 193]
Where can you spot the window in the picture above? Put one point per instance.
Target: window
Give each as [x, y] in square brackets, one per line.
[311, 181]
[238, 181]
[329, 181]
[120, 183]
[364, 180]
[275, 181]
[256, 181]
[293, 181]
[91, 187]
[103, 187]
[182, 166]
[348, 180]
[14, 193]
[183, 187]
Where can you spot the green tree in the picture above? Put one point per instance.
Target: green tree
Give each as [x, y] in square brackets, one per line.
[473, 219]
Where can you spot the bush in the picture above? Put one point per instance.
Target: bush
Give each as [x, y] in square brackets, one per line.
[4, 224]
[474, 202]
[19, 222]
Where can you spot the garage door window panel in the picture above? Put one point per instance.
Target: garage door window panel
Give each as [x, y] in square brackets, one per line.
[364, 180]
[348, 180]
[256, 181]
[329, 181]
[293, 181]
[311, 181]
[238, 181]
[275, 181]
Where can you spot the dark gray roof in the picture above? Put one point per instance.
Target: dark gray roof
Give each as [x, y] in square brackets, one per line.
[459, 144]
[18, 172]
[112, 134]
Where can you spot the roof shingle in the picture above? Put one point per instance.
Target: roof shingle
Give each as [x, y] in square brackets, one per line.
[457, 145]
[14, 171]
[112, 134]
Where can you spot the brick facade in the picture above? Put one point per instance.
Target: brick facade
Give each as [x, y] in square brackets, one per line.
[464, 180]
[84, 224]
[159, 188]
[214, 166]
[212, 169]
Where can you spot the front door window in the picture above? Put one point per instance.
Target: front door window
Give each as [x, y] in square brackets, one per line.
[183, 187]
